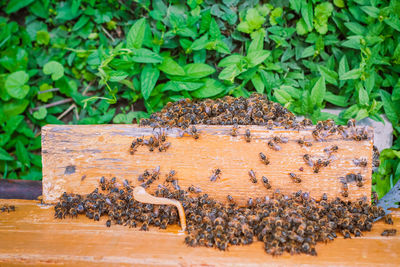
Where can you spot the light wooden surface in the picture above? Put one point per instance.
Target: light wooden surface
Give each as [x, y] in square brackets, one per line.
[71, 152]
[32, 236]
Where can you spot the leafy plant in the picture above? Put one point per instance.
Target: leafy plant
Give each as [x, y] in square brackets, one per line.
[91, 61]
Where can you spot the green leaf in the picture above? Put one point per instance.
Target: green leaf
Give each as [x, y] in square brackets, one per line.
[318, 92]
[22, 154]
[276, 13]
[254, 20]
[40, 114]
[343, 66]
[282, 96]
[257, 57]
[15, 5]
[136, 34]
[144, 55]
[355, 28]
[322, 13]
[363, 98]
[307, 14]
[361, 114]
[45, 96]
[301, 27]
[389, 107]
[4, 155]
[55, 69]
[169, 66]
[258, 83]
[351, 75]
[148, 80]
[116, 76]
[337, 100]
[43, 37]
[129, 117]
[329, 75]
[16, 84]
[257, 43]
[230, 60]
[178, 86]
[198, 70]
[229, 73]
[12, 108]
[339, 3]
[211, 88]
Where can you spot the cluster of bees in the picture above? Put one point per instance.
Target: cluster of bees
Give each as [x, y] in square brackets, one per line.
[255, 110]
[7, 208]
[157, 140]
[293, 223]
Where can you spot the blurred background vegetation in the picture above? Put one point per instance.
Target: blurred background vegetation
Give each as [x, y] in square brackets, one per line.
[96, 61]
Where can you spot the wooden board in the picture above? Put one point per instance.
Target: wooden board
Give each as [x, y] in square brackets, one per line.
[32, 236]
[76, 156]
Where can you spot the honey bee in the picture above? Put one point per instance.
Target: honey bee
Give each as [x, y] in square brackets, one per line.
[194, 189]
[278, 139]
[215, 175]
[301, 142]
[346, 234]
[389, 232]
[360, 162]
[266, 182]
[247, 136]
[234, 130]
[307, 160]
[295, 178]
[375, 197]
[194, 132]
[170, 176]
[230, 199]
[273, 146]
[359, 180]
[264, 158]
[164, 146]
[252, 175]
[388, 219]
[345, 189]
[351, 123]
[331, 149]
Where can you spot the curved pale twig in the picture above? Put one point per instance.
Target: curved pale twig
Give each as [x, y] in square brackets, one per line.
[139, 194]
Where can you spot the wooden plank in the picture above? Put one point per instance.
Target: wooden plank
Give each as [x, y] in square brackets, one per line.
[31, 235]
[76, 156]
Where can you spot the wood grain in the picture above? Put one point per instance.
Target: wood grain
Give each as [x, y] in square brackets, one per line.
[31, 235]
[76, 156]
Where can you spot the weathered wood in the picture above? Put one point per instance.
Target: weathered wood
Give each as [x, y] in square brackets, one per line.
[76, 156]
[20, 189]
[31, 235]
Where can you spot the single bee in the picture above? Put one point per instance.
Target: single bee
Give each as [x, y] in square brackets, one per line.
[266, 182]
[331, 149]
[345, 189]
[170, 176]
[215, 175]
[193, 132]
[295, 178]
[273, 146]
[264, 158]
[360, 162]
[351, 123]
[194, 189]
[108, 223]
[359, 180]
[375, 197]
[307, 160]
[252, 175]
[389, 232]
[388, 219]
[247, 136]
[164, 146]
[277, 139]
[230, 199]
[234, 130]
[346, 234]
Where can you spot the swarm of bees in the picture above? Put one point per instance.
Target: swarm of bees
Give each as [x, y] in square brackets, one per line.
[255, 110]
[293, 223]
[7, 208]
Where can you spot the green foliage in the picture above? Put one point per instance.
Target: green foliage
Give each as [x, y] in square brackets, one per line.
[111, 57]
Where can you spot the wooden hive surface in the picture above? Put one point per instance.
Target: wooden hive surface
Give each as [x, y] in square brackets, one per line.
[76, 156]
[31, 235]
